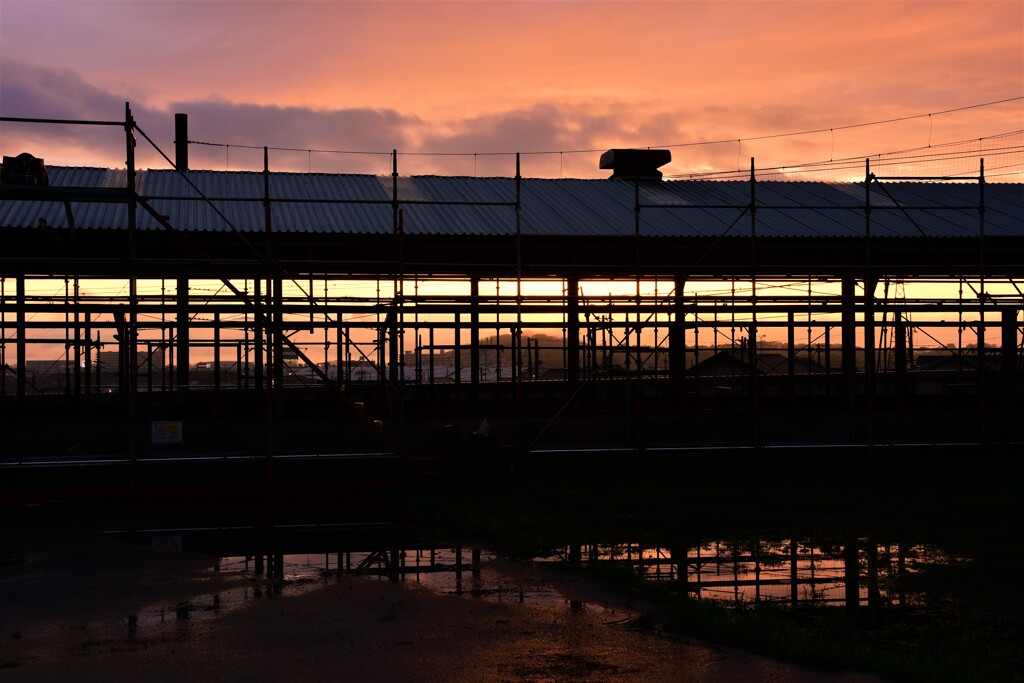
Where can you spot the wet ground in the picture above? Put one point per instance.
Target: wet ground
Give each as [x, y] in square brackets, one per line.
[77, 605]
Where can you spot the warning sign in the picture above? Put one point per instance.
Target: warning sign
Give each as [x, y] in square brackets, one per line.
[166, 432]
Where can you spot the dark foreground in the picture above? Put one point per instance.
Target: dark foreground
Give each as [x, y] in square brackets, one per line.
[79, 604]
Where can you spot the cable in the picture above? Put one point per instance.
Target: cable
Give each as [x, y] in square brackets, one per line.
[853, 125]
[288, 149]
[888, 160]
[861, 157]
[772, 136]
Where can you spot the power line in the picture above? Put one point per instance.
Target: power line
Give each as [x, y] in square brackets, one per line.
[849, 126]
[861, 157]
[882, 158]
[739, 140]
[288, 149]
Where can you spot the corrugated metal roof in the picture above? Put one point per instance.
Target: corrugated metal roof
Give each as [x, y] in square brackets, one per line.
[567, 207]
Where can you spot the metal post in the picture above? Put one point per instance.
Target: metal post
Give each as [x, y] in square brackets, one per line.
[572, 330]
[851, 576]
[900, 330]
[1009, 355]
[457, 360]
[874, 593]
[20, 336]
[677, 339]
[517, 335]
[277, 334]
[339, 349]
[258, 324]
[848, 338]
[129, 360]
[216, 352]
[870, 282]
[430, 357]
[791, 355]
[474, 336]
[754, 403]
[828, 360]
[397, 331]
[982, 299]
[181, 369]
[794, 591]
[87, 331]
[78, 342]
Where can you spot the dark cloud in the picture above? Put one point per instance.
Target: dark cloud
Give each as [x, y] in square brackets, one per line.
[31, 91]
[325, 132]
[39, 92]
[567, 140]
[548, 134]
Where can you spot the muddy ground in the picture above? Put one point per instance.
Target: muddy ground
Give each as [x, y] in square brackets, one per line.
[77, 605]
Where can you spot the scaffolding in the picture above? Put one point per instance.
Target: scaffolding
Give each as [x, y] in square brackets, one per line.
[407, 328]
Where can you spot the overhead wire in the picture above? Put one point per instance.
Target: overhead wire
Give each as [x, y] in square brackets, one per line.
[829, 165]
[696, 143]
[852, 164]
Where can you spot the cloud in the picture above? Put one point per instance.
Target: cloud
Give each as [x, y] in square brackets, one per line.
[33, 91]
[316, 137]
[550, 134]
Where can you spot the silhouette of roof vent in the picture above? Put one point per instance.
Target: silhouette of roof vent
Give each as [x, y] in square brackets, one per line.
[636, 163]
[23, 169]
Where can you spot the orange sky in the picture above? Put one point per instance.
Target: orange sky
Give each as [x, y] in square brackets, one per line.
[501, 76]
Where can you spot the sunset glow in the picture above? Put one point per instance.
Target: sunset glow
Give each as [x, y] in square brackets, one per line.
[478, 78]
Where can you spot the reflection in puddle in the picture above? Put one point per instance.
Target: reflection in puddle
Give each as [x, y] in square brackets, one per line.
[454, 571]
[795, 572]
[789, 571]
[446, 570]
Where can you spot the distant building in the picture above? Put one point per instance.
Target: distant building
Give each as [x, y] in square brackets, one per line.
[737, 364]
[953, 361]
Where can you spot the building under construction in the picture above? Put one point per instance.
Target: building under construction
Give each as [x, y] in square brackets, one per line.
[180, 312]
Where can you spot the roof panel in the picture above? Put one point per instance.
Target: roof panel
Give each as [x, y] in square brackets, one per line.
[329, 203]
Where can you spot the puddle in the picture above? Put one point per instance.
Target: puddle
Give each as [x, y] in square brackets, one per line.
[738, 572]
[443, 570]
[786, 572]
[446, 571]
[793, 572]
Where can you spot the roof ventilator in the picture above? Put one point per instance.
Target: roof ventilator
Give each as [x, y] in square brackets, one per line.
[23, 169]
[636, 163]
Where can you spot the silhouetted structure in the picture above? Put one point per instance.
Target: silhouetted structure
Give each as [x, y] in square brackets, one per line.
[318, 276]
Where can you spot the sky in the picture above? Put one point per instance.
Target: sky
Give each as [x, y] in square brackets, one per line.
[448, 84]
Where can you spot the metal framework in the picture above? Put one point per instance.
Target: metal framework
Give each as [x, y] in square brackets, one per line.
[686, 343]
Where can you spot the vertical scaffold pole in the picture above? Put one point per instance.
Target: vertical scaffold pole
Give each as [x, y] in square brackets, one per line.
[982, 299]
[394, 323]
[517, 367]
[20, 336]
[572, 330]
[181, 373]
[634, 407]
[753, 304]
[677, 340]
[474, 338]
[870, 282]
[271, 329]
[129, 362]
